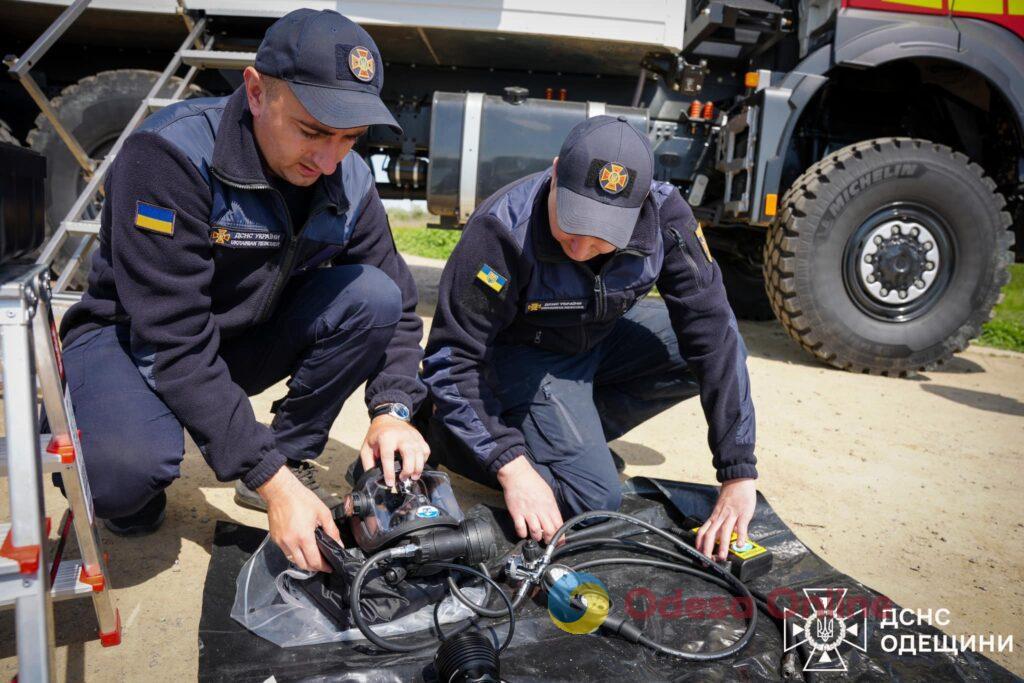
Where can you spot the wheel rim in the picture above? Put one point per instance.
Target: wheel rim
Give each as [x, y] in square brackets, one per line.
[898, 262]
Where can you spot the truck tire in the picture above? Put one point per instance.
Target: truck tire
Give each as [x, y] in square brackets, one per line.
[888, 256]
[744, 286]
[95, 110]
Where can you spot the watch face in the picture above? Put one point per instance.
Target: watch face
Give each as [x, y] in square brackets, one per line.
[400, 411]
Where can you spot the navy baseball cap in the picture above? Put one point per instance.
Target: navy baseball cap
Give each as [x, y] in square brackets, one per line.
[331, 64]
[604, 174]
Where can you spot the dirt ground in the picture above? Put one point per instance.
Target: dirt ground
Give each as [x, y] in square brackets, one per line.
[911, 486]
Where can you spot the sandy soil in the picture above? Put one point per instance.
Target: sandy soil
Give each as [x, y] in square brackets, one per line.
[911, 486]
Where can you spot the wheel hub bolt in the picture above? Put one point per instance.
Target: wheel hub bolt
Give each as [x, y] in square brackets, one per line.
[868, 258]
[895, 231]
[929, 265]
[919, 284]
[928, 246]
[903, 294]
[915, 232]
[884, 292]
[871, 278]
[878, 239]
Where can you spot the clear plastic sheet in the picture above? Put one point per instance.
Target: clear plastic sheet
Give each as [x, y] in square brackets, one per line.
[270, 601]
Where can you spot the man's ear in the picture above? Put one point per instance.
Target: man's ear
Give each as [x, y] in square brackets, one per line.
[255, 90]
[554, 168]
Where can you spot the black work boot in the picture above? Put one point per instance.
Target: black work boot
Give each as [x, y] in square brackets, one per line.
[304, 471]
[142, 523]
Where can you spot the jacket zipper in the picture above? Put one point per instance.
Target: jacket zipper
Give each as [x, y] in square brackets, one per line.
[289, 258]
[600, 293]
[689, 259]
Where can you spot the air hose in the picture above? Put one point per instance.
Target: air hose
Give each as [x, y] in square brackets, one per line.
[685, 559]
[404, 551]
[702, 567]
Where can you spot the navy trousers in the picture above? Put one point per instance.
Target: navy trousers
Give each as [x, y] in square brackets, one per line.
[569, 407]
[328, 335]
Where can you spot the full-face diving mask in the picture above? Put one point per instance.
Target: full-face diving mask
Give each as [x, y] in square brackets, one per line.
[381, 514]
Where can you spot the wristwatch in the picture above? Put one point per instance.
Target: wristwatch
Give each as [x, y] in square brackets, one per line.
[395, 410]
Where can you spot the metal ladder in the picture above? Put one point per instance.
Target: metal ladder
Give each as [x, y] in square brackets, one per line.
[195, 52]
[30, 352]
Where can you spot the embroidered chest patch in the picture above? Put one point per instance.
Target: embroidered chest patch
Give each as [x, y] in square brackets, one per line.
[563, 305]
[244, 239]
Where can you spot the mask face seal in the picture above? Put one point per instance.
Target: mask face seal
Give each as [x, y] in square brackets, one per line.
[380, 515]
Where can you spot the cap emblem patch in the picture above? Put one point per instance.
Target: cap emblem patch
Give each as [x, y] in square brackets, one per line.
[613, 177]
[361, 63]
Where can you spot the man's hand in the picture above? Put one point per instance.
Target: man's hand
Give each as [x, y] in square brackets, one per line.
[389, 435]
[294, 512]
[530, 500]
[733, 511]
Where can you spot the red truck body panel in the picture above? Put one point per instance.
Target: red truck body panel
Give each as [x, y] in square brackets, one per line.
[1007, 13]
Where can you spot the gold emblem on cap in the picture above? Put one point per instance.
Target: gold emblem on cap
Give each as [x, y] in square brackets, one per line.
[613, 177]
[362, 64]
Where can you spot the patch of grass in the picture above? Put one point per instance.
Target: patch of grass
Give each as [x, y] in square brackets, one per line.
[1006, 329]
[422, 241]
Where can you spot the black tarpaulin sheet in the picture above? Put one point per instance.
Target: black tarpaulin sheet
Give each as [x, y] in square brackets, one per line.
[673, 608]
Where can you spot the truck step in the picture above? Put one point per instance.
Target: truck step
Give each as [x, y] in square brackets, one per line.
[734, 29]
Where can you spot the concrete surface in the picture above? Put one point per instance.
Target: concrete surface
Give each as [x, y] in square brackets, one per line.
[911, 486]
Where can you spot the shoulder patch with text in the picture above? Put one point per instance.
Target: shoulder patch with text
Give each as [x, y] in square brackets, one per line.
[154, 218]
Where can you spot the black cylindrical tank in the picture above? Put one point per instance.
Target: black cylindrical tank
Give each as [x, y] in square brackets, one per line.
[480, 143]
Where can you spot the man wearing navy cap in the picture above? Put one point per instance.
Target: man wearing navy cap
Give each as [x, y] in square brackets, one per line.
[242, 244]
[541, 350]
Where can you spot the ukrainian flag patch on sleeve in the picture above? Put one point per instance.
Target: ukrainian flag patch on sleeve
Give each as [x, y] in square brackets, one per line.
[154, 218]
[492, 278]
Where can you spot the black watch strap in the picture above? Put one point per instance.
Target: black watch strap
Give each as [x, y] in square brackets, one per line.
[397, 410]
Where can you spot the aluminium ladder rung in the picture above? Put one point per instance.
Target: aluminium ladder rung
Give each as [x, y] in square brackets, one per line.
[84, 227]
[51, 461]
[7, 564]
[155, 103]
[218, 59]
[68, 583]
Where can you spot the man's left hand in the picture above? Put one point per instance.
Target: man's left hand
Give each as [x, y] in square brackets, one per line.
[388, 436]
[732, 512]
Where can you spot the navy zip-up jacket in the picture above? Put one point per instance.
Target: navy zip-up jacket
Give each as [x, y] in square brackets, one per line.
[195, 246]
[537, 296]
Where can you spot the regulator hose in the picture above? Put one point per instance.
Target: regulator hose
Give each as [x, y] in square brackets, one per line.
[699, 566]
[355, 598]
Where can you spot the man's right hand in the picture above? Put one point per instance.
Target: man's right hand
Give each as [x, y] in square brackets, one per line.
[530, 500]
[294, 512]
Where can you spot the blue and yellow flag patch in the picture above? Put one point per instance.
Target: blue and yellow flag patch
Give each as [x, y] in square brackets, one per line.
[492, 278]
[154, 218]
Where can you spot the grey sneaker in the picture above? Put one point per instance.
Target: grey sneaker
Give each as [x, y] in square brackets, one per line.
[304, 471]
